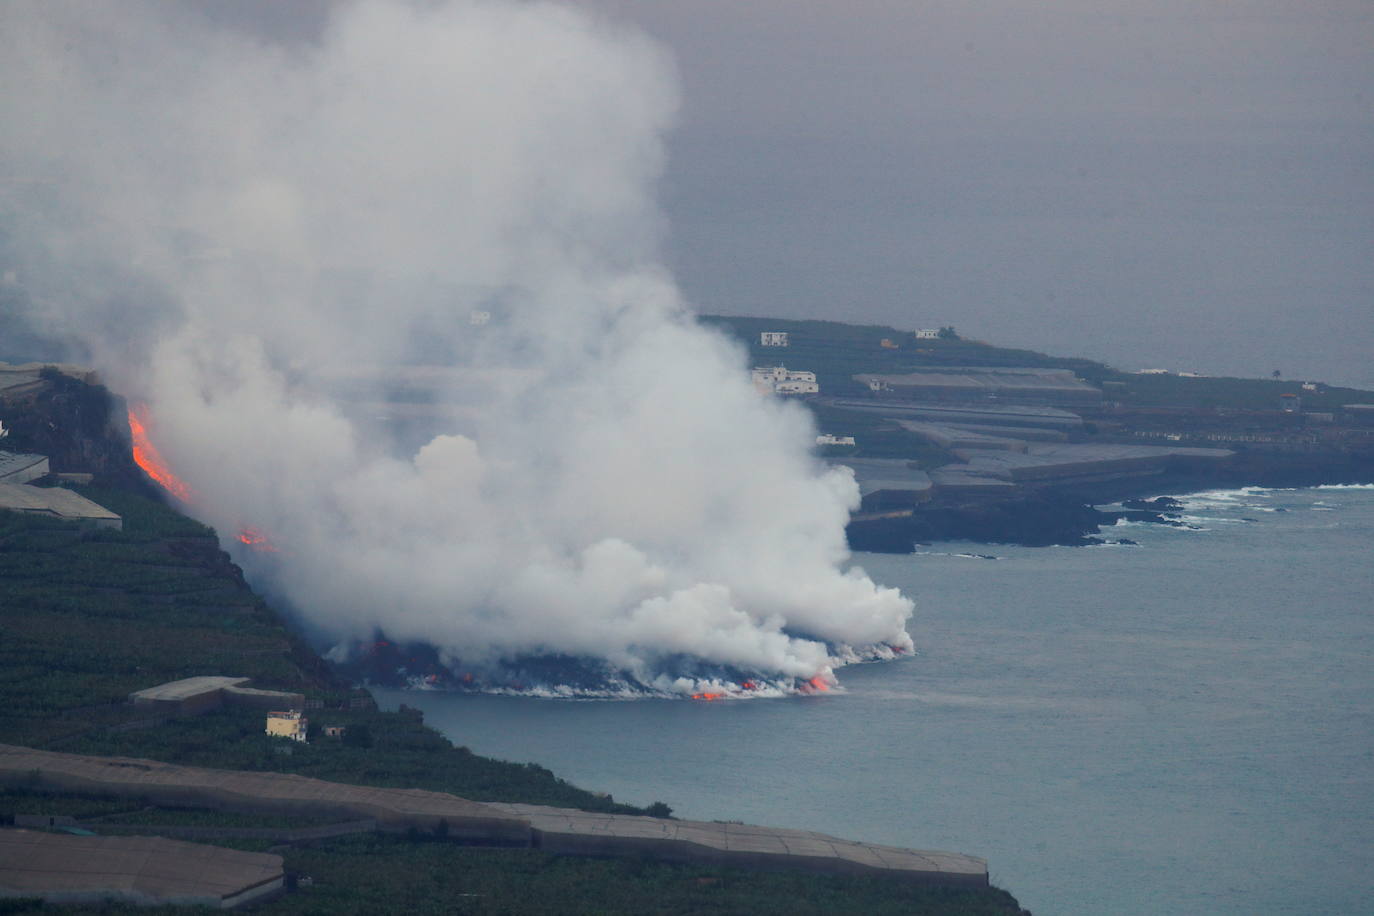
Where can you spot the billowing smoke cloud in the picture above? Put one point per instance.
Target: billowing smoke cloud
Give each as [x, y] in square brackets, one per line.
[245, 236]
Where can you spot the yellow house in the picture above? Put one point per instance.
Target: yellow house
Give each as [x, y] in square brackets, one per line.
[290, 724]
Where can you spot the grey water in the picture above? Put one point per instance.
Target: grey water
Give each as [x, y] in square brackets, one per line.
[1182, 726]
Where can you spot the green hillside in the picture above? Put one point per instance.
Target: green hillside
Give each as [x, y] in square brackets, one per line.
[89, 615]
[837, 351]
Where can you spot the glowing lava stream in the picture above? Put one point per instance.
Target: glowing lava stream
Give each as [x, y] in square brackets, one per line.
[254, 538]
[148, 458]
[146, 455]
[817, 684]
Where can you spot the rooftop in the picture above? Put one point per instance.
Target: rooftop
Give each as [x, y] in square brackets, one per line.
[55, 501]
[559, 830]
[1002, 414]
[873, 474]
[987, 379]
[174, 691]
[572, 831]
[136, 869]
[16, 463]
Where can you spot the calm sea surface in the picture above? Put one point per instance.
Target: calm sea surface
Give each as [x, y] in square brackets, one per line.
[1186, 726]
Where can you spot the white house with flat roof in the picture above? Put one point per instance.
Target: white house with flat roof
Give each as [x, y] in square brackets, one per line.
[781, 380]
[773, 339]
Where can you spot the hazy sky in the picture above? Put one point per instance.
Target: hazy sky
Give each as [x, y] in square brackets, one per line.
[1176, 183]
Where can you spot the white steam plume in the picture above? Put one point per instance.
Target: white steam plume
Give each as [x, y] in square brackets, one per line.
[234, 230]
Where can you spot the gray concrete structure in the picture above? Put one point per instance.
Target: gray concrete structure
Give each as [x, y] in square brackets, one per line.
[57, 502]
[1066, 463]
[966, 480]
[17, 467]
[19, 378]
[1022, 433]
[560, 830]
[951, 437]
[572, 832]
[258, 793]
[64, 869]
[887, 483]
[1012, 415]
[1024, 384]
[187, 697]
[263, 699]
[194, 695]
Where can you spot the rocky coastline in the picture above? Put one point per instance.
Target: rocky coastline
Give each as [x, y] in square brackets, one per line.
[1070, 515]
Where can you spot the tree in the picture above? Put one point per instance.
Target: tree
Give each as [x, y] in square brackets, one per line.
[1277, 374]
[357, 736]
[658, 809]
[947, 333]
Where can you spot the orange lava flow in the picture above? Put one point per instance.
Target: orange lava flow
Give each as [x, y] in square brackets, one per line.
[818, 683]
[146, 456]
[708, 696]
[254, 538]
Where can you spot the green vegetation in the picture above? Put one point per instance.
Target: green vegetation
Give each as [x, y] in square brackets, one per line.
[404, 754]
[81, 807]
[91, 615]
[378, 874]
[1136, 390]
[836, 351]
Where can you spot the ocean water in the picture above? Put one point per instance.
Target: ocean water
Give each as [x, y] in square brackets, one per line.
[1183, 726]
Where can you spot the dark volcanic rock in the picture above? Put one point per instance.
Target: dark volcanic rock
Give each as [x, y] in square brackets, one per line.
[1148, 517]
[80, 427]
[1030, 519]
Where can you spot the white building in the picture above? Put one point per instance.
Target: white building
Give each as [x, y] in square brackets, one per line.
[781, 380]
[773, 339]
[877, 384]
[928, 334]
[1153, 372]
[827, 439]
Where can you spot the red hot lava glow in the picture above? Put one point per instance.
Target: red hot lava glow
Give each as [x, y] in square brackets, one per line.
[146, 455]
[254, 538]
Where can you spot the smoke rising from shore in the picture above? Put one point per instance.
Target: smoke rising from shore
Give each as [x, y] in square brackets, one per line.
[232, 230]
